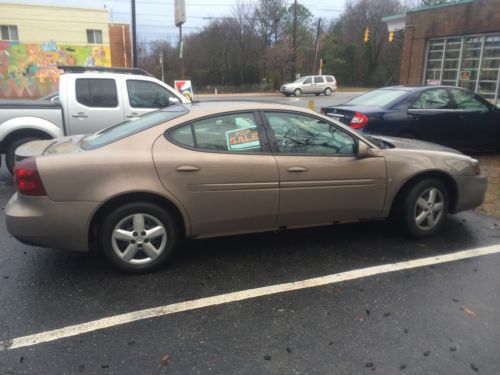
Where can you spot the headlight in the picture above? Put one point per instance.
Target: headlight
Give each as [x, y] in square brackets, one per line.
[475, 166]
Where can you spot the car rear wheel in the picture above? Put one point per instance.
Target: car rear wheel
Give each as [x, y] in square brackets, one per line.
[10, 156]
[424, 207]
[328, 91]
[297, 92]
[138, 237]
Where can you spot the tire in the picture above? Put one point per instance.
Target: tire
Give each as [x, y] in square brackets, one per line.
[419, 213]
[162, 243]
[328, 91]
[10, 156]
[297, 92]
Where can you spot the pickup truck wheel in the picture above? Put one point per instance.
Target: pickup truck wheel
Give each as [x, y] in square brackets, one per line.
[138, 237]
[10, 156]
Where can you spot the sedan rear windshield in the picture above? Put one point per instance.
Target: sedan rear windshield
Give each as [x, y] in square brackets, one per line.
[127, 128]
[378, 98]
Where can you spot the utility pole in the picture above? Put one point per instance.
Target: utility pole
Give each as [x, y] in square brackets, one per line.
[162, 66]
[181, 51]
[294, 72]
[317, 44]
[180, 18]
[134, 37]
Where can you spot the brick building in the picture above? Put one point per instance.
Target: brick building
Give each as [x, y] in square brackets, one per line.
[456, 43]
[35, 39]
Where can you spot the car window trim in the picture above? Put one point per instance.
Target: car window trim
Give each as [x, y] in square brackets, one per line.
[274, 148]
[264, 142]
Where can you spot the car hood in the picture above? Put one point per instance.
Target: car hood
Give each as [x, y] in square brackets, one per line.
[50, 146]
[413, 144]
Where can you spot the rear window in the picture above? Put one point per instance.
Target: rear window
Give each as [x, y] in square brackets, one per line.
[378, 98]
[128, 128]
[96, 92]
[329, 79]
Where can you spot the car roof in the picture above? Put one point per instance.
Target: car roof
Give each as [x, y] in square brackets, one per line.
[420, 87]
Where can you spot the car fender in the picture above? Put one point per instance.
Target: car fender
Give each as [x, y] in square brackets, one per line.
[29, 123]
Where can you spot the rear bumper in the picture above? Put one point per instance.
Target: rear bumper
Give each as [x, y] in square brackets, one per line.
[39, 221]
[471, 190]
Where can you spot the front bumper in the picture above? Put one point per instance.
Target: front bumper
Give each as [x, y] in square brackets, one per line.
[39, 221]
[471, 190]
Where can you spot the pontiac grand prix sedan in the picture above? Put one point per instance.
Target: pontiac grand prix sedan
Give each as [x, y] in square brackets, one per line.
[134, 190]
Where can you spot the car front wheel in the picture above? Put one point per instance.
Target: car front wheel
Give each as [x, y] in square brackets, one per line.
[424, 207]
[138, 237]
[297, 92]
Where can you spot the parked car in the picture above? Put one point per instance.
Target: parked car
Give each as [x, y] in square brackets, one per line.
[133, 191]
[451, 116]
[322, 84]
[89, 99]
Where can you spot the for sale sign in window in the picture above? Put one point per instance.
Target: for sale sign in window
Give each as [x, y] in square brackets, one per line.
[243, 139]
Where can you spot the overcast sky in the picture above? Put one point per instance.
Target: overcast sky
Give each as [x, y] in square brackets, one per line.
[155, 18]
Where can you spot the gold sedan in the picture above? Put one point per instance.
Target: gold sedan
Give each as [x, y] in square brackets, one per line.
[134, 190]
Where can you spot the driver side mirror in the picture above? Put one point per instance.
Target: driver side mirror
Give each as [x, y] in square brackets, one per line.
[364, 151]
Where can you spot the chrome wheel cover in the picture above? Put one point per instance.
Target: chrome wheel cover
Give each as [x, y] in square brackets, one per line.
[139, 238]
[429, 209]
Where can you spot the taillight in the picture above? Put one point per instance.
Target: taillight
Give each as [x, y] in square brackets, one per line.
[359, 121]
[27, 178]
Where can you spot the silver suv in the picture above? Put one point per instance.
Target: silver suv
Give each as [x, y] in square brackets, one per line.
[310, 85]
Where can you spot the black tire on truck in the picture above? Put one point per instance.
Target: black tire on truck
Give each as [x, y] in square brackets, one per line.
[11, 151]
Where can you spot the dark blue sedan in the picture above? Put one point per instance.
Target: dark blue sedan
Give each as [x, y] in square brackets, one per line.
[450, 116]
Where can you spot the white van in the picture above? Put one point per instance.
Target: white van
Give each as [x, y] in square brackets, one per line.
[311, 85]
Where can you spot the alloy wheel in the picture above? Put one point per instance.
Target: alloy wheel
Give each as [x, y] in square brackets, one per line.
[139, 238]
[429, 209]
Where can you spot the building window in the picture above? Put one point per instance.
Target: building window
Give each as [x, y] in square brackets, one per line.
[94, 36]
[9, 32]
[472, 62]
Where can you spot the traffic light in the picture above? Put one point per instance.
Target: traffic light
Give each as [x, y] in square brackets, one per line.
[367, 35]
[391, 36]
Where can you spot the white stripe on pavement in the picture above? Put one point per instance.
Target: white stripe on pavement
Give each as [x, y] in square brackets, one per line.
[134, 316]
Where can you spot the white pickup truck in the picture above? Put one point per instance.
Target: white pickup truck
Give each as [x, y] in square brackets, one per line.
[89, 99]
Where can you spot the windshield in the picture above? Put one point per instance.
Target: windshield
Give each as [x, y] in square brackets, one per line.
[127, 128]
[378, 98]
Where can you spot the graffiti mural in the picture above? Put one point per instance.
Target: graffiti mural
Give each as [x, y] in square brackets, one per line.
[30, 70]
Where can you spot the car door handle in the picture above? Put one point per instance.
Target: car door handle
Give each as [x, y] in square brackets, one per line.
[133, 115]
[187, 168]
[297, 169]
[80, 115]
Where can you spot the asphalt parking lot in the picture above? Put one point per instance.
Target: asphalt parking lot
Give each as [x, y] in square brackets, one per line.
[346, 299]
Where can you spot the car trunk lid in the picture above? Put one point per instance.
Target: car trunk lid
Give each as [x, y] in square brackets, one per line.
[47, 147]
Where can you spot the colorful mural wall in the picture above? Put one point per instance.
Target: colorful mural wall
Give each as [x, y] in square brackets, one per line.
[30, 70]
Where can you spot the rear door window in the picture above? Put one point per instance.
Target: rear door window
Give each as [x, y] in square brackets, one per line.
[96, 92]
[229, 133]
[319, 79]
[433, 99]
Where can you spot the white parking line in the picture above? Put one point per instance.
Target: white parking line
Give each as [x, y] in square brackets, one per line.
[134, 316]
